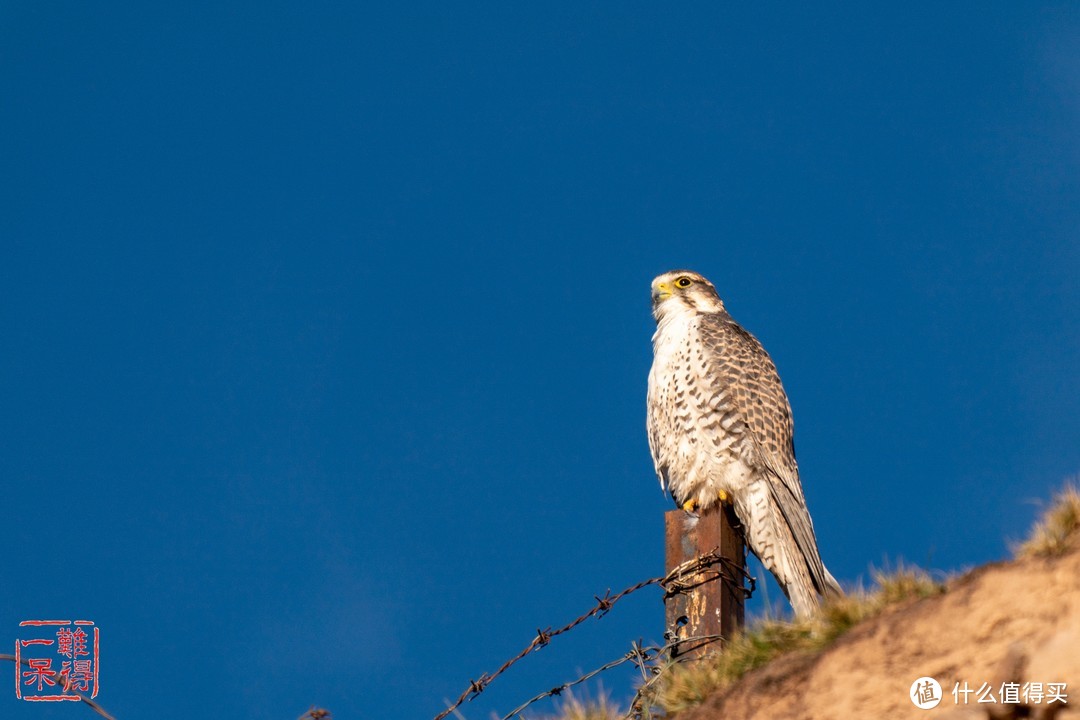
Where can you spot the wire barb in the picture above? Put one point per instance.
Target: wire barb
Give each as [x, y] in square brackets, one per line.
[477, 686]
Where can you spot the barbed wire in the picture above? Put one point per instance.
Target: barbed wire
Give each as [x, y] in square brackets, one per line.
[727, 571]
[731, 573]
[638, 655]
[65, 682]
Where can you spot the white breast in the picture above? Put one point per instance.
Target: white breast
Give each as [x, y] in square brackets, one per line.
[692, 449]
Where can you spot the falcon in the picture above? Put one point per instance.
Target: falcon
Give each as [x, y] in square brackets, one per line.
[721, 431]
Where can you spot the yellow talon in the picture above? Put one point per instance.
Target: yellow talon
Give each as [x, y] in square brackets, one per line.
[689, 505]
[723, 496]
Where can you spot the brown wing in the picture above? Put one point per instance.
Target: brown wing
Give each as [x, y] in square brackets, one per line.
[753, 385]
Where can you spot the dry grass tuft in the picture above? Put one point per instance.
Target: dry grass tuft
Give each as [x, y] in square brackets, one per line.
[584, 708]
[688, 685]
[1059, 528]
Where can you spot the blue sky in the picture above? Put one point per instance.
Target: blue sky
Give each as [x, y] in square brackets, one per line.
[326, 326]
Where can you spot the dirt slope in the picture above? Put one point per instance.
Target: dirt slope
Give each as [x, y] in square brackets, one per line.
[1009, 622]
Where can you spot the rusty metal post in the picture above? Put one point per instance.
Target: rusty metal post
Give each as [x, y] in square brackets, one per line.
[711, 606]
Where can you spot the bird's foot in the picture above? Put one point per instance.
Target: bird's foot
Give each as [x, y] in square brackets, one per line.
[692, 505]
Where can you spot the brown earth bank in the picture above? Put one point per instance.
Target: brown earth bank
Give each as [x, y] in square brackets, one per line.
[1014, 622]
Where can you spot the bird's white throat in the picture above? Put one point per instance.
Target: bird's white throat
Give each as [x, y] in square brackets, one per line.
[673, 321]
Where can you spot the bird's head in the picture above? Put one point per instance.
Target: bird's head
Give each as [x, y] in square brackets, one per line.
[681, 291]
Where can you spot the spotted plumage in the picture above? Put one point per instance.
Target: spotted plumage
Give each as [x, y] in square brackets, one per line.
[720, 429]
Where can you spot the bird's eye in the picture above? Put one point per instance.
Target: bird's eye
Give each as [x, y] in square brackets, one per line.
[683, 282]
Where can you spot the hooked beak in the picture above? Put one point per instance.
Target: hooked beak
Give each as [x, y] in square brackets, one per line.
[660, 292]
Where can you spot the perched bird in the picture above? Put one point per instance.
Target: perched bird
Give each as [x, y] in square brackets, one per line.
[720, 430]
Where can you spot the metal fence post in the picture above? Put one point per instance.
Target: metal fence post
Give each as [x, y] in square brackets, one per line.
[709, 606]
